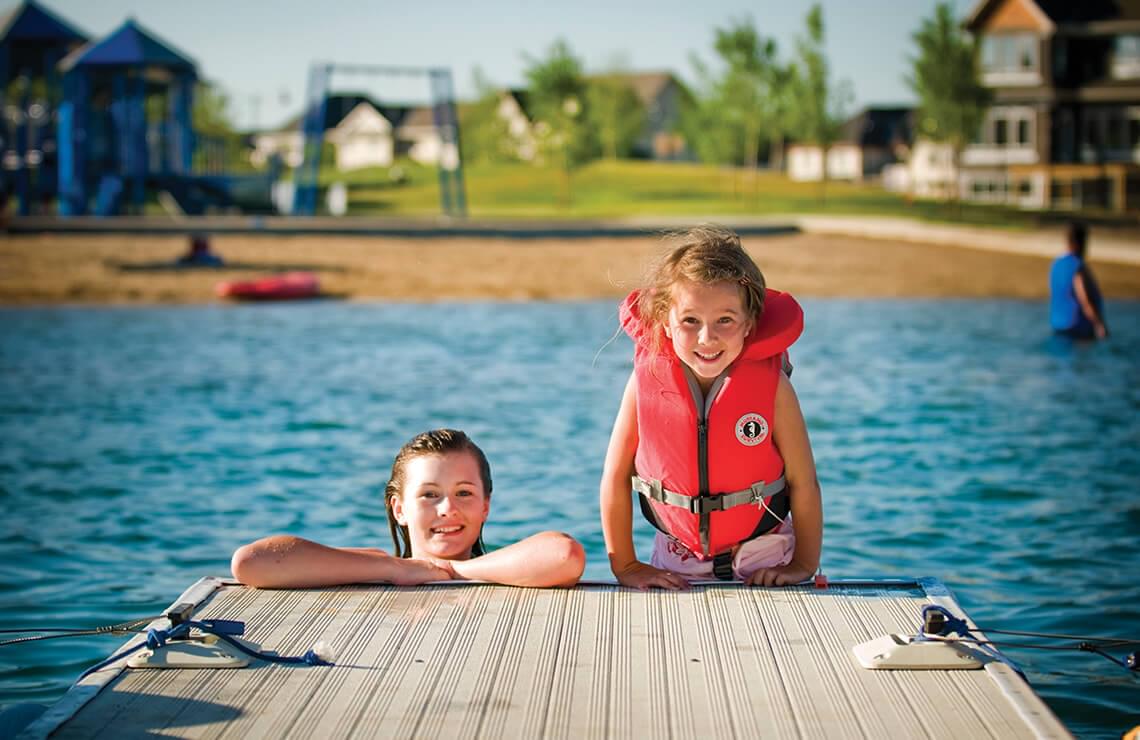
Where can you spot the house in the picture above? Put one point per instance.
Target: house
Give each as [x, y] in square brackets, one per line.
[1064, 127]
[359, 128]
[662, 95]
[362, 139]
[868, 142]
[419, 138]
[514, 110]
[364, 133]
[928, 171]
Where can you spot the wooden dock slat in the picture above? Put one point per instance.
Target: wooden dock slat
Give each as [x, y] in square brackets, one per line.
[597, 661]
[519, 664]
[873, 689]
[765, 690]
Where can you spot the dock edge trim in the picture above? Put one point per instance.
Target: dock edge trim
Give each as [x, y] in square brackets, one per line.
[85, 690]
[1032, 709]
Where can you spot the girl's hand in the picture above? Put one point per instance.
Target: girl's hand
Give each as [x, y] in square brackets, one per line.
[641, 576]
[413, 572]
[784, 575]
[447, 566]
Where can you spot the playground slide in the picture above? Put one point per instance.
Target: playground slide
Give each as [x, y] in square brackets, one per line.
[200, 194]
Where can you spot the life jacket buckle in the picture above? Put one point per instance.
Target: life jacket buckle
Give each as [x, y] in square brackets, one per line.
[722, 566]
[707, 503]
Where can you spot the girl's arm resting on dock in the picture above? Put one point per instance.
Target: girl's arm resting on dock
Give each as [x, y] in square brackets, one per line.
[540, 561]
[283, 561]
[791, 438]
[617, 508]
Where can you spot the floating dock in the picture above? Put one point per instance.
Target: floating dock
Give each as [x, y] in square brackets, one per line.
[596, 661]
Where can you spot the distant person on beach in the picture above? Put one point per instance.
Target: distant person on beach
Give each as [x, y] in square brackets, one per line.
[709, 433]
[437, 500]
[1076, 308]
[199, 254]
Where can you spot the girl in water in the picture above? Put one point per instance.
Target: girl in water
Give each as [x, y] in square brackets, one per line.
[437, 500]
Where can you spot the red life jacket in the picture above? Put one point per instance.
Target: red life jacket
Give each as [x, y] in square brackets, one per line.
[736, 435]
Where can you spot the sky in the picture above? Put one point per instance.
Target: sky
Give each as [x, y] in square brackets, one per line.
[260, 51]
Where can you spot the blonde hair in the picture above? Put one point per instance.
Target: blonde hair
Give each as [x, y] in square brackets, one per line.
[705, 254]
[434, 442]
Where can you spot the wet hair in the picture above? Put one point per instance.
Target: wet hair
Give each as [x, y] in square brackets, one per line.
[705, 254]
[1078, 235]
[436, 442]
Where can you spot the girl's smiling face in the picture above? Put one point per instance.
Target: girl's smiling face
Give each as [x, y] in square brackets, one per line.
[443, 505]
[707, 324]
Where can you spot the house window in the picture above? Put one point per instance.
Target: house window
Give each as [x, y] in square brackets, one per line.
[1134, 133]
[1023, 132]
[1115, 134]
[1026, 53]
[1000, 131]
[1127, 46]
[1009, 53]
[1126, 56]
[1060, 58]
[1093, 132]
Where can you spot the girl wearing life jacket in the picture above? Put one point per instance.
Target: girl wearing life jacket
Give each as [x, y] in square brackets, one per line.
[437, 498]
[710, 434]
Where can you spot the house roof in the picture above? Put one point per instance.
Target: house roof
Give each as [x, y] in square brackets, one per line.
[130, 45]
[522, 97]
[419, 116]
[879, 127]
[1086, 11]
[30, 21]
[339, 105]
[365, 119]
[646, 85]
[1064, 12]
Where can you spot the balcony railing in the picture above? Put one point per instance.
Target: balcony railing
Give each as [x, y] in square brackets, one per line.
[988, 154]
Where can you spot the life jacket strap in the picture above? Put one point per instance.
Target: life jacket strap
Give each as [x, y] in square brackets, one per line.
[754, 495]
[722, 566]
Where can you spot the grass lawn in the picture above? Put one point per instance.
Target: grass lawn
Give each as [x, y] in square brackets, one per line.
[621, 189]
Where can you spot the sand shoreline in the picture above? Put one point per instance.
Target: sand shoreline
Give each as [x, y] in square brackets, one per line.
[57, 269]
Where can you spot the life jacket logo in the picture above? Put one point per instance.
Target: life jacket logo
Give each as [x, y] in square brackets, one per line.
[751, 430]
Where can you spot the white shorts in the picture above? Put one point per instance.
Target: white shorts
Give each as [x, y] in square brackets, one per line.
[766, 551]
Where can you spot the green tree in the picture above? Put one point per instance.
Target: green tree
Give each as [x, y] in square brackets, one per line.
[781, 104]
[486, 137]
[617, 115]
[218, 142]
[744, 88]
[559, 104]
[703, 122]
[818, 106]
[951, 98]
[210, 113]
[743, 106]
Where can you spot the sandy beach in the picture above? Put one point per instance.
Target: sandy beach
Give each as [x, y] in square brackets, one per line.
[120, 269]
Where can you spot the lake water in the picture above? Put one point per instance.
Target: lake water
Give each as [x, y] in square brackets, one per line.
[140, 446]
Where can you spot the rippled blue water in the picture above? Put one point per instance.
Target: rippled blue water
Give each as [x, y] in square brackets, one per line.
[139, 447]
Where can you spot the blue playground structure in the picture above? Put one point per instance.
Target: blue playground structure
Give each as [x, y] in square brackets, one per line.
[452, 192]
[105, 127]
[33, 41]
[125, 131]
